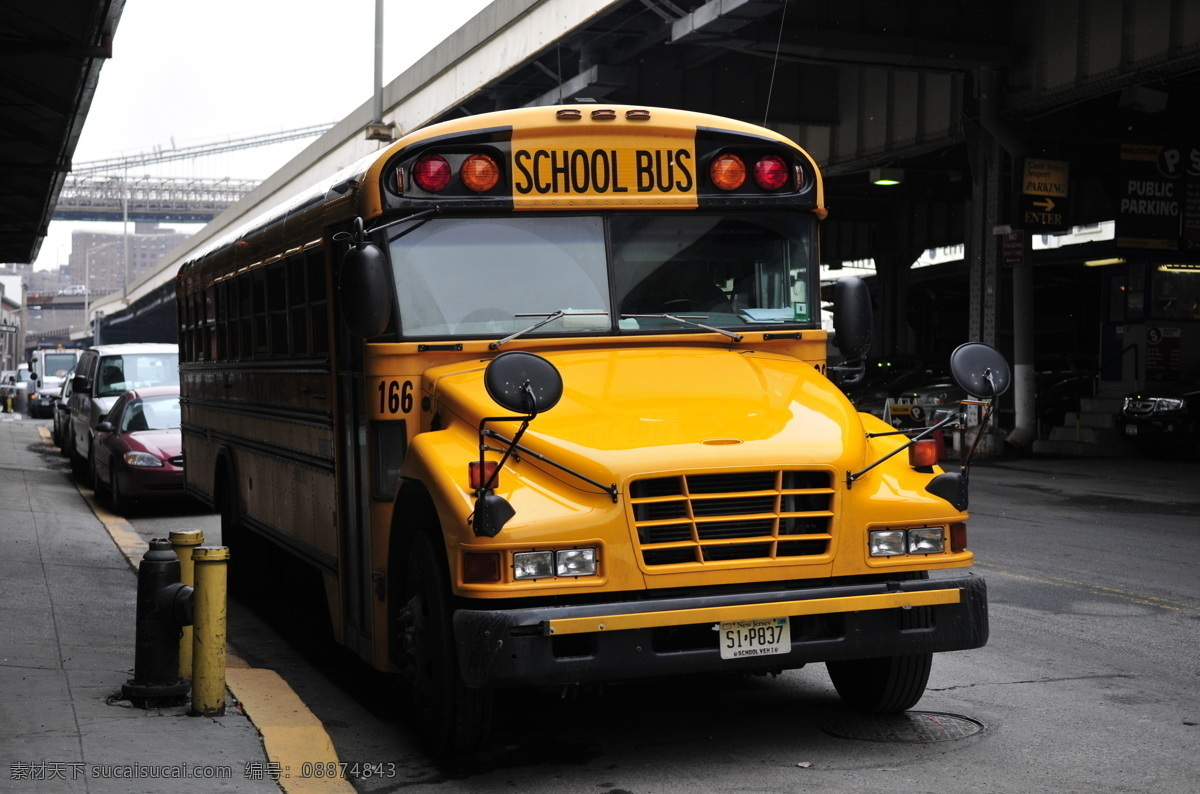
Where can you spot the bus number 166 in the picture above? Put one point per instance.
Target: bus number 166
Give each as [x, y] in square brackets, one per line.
[395, 397]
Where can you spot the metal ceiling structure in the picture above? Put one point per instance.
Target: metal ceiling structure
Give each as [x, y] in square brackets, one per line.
[50, 60]
[909, 84]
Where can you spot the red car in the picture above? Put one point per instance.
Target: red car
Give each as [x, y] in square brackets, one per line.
[138, 450]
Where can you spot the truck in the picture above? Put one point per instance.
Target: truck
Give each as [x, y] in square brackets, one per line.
[48, 368]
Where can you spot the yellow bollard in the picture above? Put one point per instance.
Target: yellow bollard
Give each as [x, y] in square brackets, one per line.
[208, 616]
[182, 542]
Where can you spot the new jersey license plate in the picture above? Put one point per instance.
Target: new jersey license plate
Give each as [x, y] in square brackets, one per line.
[743, 638]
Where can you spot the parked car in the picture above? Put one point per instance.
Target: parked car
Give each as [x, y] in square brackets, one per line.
[138, 449]
[1165, 419]
[103, 374]
[62, 416]
[42, 401]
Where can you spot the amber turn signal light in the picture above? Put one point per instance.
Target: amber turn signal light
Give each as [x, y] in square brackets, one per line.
[923, 453]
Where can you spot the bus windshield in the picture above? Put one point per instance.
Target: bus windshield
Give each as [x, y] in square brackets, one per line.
[477, 277]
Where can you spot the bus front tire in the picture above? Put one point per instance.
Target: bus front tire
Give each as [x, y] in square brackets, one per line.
[450, 717]
[884, 685]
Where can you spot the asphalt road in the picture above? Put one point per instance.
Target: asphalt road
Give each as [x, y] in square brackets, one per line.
[1088, 684]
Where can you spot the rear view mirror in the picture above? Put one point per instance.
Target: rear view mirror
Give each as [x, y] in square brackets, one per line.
[852, 317]
[980, 370]
[523, 382]
[364, 290]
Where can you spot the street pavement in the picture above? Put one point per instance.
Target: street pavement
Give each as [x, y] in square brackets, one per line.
[67, 626]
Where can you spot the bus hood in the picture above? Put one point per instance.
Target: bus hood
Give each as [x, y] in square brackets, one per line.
[635, 411]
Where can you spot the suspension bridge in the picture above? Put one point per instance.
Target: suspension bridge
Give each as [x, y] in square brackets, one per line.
[104, 190]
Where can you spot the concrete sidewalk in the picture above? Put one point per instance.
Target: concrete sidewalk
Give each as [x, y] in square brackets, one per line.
[67, 645]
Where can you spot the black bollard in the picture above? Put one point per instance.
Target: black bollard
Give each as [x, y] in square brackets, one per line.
[163, 608]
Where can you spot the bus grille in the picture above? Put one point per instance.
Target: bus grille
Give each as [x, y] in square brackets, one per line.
[715, 518]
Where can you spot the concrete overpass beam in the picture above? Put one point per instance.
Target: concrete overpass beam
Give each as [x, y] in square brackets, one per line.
[720, 18]
[595, 83]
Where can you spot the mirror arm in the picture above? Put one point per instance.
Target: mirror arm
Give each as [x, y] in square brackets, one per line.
[978, 434]
[852, 476]
[611, 490]
[485, 433]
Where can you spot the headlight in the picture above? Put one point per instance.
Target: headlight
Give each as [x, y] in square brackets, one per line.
[888, 542]
[576, 562]
[142, 460]
[533, 564]
[547, 564]
[927, 540]
[897, 542]
[1167, 404]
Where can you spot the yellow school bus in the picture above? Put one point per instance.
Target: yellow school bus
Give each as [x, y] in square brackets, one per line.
[542, 395]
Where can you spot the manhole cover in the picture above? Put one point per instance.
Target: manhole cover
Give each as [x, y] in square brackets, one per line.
[911, 726]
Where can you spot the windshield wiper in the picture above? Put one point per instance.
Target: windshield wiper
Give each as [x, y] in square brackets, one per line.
[549, 318]
[688, 321]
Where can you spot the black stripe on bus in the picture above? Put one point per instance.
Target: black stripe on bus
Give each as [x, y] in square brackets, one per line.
[319, 419]
[322, 465]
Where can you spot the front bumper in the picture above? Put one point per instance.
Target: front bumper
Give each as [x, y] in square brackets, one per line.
[1167, 427]
[42, 404]
[149, 482]
[628, 640]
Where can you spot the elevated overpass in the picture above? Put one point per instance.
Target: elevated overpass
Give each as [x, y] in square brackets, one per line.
[952, 97]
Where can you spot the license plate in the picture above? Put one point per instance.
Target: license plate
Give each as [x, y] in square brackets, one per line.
[743, 638]
[1131, 430]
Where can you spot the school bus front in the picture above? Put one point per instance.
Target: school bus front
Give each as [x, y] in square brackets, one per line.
[700, 496]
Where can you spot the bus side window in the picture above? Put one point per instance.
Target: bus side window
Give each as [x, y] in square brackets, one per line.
[245, 325]
[258, 296]
[297, 305]
[277, 309]
[210, 323]
[185, 326]
[197, 326]
[318, 298]
[233, 316]
[222, 322]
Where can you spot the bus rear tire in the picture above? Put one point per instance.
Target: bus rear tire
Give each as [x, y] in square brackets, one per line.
[450, 717]
[881, 686]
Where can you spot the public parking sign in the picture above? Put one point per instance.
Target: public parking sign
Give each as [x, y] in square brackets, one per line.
[1159, 207]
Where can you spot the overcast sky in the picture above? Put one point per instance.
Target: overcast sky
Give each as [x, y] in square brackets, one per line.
[184, 74]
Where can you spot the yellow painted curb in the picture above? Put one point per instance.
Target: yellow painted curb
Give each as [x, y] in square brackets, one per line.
[295, 739]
